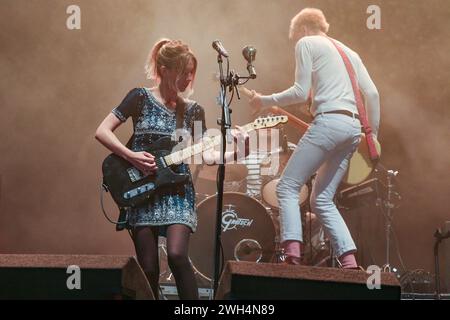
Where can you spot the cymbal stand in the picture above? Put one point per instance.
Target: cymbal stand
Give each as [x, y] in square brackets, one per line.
[389, 205]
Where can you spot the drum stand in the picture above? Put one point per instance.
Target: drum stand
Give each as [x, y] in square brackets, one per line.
[279, 251]
[437, 280]
[388, 217]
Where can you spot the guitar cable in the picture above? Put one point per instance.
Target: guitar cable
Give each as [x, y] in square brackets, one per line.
[104, 188]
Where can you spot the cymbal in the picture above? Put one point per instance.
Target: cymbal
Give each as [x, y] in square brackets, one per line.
[233, 172]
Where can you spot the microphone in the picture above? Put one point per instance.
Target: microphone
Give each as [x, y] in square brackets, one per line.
[217, 45]
[249, 54]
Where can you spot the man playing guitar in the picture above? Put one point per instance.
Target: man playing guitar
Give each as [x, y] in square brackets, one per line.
[334, 135]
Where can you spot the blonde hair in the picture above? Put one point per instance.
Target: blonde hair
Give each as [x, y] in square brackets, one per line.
[172, 54]
[312, 18]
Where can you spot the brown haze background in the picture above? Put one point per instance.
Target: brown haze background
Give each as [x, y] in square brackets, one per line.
[57, 85]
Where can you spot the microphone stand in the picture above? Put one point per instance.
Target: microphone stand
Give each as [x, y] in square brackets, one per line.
[439, 237]
[225, 125]
[229, 81]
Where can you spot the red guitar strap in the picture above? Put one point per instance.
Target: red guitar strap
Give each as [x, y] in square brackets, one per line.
[374, 156]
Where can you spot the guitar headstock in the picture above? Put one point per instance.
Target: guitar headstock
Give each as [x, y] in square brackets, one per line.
[269, 122]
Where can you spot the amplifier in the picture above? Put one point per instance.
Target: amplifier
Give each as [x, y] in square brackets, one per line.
[367, 193]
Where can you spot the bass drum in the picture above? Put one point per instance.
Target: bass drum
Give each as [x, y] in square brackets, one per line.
[248, 232]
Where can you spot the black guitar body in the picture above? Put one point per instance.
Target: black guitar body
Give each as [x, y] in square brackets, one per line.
[129, 187]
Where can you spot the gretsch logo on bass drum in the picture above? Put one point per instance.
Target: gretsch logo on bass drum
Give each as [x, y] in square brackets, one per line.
[231, 220]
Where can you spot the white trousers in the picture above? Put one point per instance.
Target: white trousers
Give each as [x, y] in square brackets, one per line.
[325, 148]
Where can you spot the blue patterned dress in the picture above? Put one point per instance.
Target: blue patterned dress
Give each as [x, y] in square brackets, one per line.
[152, 121]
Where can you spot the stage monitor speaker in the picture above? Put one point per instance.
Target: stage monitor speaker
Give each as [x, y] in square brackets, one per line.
[248, 280]
[37, 276]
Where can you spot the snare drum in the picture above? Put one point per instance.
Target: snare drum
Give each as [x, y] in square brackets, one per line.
[269, 194]
[274, 165]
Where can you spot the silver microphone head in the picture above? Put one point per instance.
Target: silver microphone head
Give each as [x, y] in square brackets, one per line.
[249, 53]
[217, 45]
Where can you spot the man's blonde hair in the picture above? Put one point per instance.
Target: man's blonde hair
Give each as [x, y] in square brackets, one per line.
[312, 18]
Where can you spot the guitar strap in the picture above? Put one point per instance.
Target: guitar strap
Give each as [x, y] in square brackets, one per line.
[179, 115]
[374, 156]
[180, 108]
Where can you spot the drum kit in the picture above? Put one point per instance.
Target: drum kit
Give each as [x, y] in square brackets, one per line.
[250, 224]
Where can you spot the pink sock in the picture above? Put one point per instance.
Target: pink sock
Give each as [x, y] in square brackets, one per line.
[291, 248]
[348, 260]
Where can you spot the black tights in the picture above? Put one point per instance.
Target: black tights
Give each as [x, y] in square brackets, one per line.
[146, 244]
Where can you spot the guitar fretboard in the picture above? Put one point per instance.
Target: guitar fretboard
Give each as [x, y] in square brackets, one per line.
[207, 143]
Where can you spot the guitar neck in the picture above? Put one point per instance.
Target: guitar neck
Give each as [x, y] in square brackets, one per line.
[296, 122]
[206, 144]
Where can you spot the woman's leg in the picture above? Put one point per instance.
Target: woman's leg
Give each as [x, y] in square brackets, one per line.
[146, 244]
[177, 252]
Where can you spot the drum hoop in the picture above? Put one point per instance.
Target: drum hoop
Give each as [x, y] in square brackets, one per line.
[234, 193]
[278, 177]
